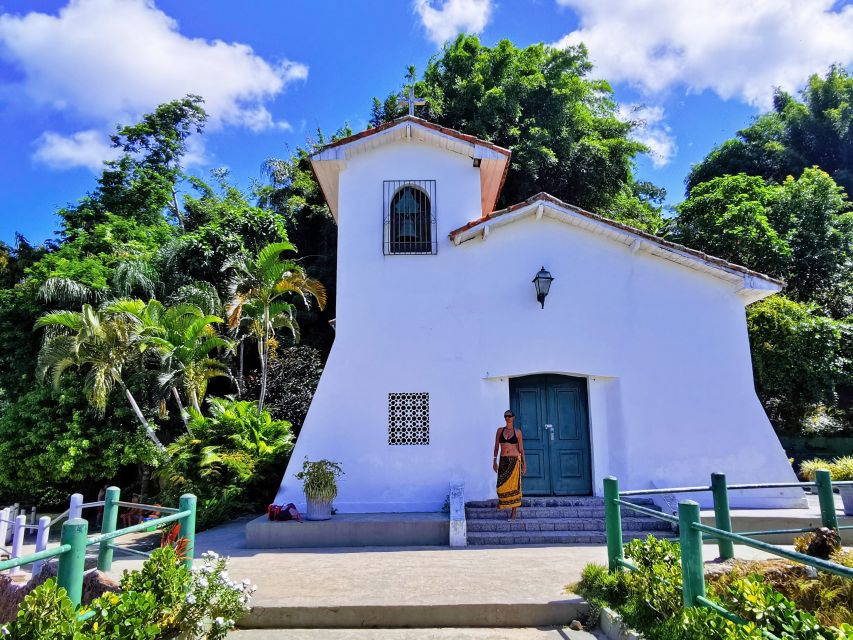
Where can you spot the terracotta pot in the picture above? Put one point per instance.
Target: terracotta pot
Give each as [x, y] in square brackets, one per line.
[318, 510]
[847, 498]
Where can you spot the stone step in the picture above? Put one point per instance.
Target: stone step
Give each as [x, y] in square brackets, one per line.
[485, 538]
[481, 612]
[557, 524]
[556, 501]
[492, 513]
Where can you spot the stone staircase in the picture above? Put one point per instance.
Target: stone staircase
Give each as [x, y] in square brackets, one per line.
[556, 520]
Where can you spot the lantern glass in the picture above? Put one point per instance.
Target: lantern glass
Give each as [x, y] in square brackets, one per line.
[542, 282]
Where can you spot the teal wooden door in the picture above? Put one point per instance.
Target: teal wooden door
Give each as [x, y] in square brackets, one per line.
[553, 415]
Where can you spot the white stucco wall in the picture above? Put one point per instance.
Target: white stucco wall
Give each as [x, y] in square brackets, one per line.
[664, 348]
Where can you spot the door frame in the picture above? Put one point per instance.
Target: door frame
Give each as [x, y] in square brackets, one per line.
[589, 419]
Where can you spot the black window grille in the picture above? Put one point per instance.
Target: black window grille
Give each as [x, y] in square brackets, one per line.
[409, 217]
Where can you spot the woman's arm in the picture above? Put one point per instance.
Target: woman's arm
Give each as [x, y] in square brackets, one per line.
[497, 448]
[521, 452]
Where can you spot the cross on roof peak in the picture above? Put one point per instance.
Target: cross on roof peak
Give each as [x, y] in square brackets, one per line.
[411, 100]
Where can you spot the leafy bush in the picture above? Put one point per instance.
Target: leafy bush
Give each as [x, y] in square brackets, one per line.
[232, 460]
[162, 600]
[840, 468]
[820, 543]
[784, 601]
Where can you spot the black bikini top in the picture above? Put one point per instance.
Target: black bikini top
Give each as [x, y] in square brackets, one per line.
[512, 440]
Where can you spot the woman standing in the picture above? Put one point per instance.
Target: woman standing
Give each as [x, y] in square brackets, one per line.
[510, 445]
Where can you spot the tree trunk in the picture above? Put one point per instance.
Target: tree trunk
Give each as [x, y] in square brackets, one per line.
[240, 378]
[194, 399]
[264, 353]
[148, 430]
[177, 397]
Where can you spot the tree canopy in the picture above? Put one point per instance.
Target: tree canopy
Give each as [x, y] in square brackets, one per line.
[795, 135]
[562, 126]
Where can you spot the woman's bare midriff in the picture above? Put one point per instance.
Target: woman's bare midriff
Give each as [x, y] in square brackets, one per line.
[509, 450]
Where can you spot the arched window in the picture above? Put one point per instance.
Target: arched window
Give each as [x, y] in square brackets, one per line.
[409, 218]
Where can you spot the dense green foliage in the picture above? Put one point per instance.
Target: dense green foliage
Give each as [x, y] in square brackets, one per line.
[232, 459]
[561, 126]
[818, 130]
[162, 600]
[650, 599]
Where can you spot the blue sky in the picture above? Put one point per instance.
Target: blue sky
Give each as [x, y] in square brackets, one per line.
[273, 72]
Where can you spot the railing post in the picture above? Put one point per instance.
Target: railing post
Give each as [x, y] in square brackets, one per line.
[692, 567]
[613, 524]
[722, 516]
[42, 535]
[75, 506]
[69, 573]
[823, 480]
[18, 532]
[187, 523]
[5, 519]
[109, 520]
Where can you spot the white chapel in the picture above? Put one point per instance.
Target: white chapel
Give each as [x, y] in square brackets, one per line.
[635, 364]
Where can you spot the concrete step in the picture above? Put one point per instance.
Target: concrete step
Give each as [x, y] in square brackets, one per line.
[454, 633]
[492, 513]
[484, 614]
[561, 524]
[486, 538]
[557, 501]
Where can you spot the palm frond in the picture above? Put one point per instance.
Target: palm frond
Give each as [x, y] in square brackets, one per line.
[71, 320]
[135, 276]
[65, 291]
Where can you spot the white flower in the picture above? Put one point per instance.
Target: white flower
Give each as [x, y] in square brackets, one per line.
[190, 598]
[219, 622]
[5, 630]
[202, 582]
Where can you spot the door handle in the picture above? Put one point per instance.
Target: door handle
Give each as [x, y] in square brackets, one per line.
[550, 429]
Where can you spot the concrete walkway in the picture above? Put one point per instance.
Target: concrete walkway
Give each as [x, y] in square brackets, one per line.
[358, 588]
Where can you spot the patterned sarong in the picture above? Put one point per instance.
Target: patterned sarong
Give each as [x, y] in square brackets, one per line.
[509, 483]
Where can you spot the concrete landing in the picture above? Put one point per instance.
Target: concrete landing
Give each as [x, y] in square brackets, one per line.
[352, 530]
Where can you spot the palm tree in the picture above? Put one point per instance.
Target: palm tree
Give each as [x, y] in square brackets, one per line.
[102, 343]
[184, 337]
[260, 289]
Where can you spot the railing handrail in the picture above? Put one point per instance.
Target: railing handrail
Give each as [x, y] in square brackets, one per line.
[142, 526]
[732, 487]
[71, 551]
[34, 557]
[691, 530]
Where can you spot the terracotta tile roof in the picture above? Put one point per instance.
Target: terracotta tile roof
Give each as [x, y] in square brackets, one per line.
[545, 197]
[424, 123]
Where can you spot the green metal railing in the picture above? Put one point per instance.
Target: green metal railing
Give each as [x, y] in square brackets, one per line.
[691, 530]
[75, 539]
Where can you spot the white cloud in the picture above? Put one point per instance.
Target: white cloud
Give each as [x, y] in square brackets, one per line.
[447, 18]
[734, 48]
[82, 149]
[652, 131]
[109, 61]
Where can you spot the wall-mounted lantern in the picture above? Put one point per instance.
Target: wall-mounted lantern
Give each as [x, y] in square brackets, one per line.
[542, 282]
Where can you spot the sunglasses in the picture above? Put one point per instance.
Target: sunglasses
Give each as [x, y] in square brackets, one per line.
[509, 415]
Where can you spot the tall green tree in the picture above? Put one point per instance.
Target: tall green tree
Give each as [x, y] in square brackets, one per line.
[800, 231]
[261, 290]
[796, 134]
[101, 344]
[539, 101]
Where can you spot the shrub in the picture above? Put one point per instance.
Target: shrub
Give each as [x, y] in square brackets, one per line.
[162, 600]
[840, 468]
[232, 460]
[820, 543]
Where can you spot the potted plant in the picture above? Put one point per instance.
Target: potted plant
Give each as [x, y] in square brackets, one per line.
[840, 469]
[319, 482]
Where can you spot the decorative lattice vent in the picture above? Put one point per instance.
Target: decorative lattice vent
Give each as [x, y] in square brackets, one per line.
[408, 418]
